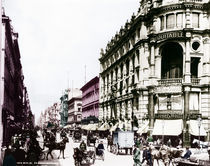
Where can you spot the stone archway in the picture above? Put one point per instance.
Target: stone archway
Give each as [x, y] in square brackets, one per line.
[172, 61]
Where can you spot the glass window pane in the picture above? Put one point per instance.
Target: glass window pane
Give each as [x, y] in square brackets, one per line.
[170, 21]
[179, 20]
[195, 20]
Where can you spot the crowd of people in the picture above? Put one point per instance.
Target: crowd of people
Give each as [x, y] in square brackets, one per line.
[148, 145]
[22, 148]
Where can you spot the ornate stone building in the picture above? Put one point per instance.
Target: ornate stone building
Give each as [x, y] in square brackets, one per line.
[156, 69]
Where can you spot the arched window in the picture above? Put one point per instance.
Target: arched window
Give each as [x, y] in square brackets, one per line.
[172, 61]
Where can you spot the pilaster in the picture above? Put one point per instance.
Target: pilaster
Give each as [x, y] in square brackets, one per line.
[187, 73]
[151, 109]
[186, 135]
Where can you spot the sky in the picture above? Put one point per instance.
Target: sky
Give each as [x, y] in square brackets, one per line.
[58, 38]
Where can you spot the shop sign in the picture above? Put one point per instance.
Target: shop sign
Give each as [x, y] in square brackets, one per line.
[168, 116]
[167, 35]
[168, 89]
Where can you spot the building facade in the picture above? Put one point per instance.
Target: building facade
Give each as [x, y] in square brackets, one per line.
[90, 101]
[64, 108]
[14, 97]
[50, 117]
[75, 107]
[157, 70]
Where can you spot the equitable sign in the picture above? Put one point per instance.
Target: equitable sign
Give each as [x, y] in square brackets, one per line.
[167, 35]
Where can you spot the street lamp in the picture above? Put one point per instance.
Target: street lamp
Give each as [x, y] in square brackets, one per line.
[163, 123]
[199, 126]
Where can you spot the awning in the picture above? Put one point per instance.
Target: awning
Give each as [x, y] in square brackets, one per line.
[194, 130]
[67, 126]
[168, 127]
[143, 128]
[104, 127]
[84, 127]
[113, 128]
[91, 127]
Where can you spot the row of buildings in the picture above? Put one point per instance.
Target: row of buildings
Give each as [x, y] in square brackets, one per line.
[154, 74]
[15, 110]
[76, 107]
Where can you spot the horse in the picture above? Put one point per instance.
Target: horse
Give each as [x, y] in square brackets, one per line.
[201, 143]
[161, 154]
[57, 146]
[173, 154]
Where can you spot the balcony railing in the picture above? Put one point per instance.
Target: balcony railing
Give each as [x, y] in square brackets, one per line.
[170, 81]
[190, 0]
[195, 81]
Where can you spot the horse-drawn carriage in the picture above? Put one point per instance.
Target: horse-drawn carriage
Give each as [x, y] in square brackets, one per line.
[77, 136]
[91, 139]
[122, 140]
[84, 157]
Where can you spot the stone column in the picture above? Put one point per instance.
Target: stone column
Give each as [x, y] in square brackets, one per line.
[187, 18]
[101, 90]
[123, 110]
[151, 109]
[186, 135]
[157, 63]
[187, 73]
[131, 72]
[119, 79]
[109, 85]
[206, 61]
[136, 62]
[124, 79]
[105, 88]
[152, 60]
[118, 110]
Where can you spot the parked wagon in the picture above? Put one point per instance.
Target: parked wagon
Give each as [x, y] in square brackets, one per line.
[122, 141]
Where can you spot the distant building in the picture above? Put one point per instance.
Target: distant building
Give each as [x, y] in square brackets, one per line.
[90, 101]
[50, 117]
[64, 108]
[157, 70]
[75, 107]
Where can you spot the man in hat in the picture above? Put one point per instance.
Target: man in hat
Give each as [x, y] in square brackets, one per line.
[144, 154]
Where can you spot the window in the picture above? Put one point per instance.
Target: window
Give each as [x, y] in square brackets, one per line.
[195, 20]
[161, 22]
[179, 20]
[170, 21]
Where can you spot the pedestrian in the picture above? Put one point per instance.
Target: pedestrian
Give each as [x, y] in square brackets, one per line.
[169, 142]
[137, 142]
[83, 146]
[9, 159]
[136, 156]
[187, 153]
[149, 157]
[144, 157]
